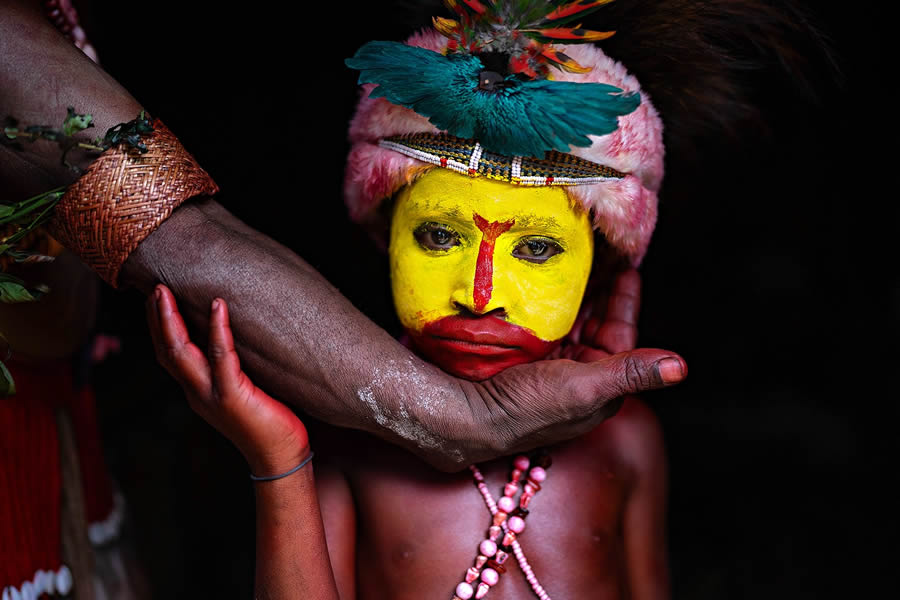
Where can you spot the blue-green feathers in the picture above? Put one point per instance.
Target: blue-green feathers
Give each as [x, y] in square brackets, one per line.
[519, 118]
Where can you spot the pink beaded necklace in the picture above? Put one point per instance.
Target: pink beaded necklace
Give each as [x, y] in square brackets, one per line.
[510, 521]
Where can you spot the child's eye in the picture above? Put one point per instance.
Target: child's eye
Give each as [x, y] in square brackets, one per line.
[537, 250]
[435, 236]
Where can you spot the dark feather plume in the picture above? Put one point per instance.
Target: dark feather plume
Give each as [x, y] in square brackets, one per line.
[716, 70]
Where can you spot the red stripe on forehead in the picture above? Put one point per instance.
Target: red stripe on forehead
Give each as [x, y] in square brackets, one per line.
[484, 268]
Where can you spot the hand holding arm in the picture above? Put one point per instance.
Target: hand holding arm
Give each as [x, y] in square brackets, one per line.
[290, 537]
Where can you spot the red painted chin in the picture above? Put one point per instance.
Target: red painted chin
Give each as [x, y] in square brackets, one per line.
[477, 348]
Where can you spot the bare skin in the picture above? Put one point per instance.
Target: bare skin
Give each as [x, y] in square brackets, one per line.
[283, 309]
[596, 529]
[397, 529]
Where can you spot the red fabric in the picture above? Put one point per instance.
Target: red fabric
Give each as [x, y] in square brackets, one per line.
[29, 474]
[30, 486]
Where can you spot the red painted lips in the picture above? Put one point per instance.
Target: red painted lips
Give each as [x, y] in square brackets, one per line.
[477, 348]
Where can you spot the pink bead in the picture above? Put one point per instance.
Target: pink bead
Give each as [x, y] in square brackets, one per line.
[509, 538]
[482, 590]
[501, 557]
[488, 548]
[480, 560]
[524, 500]
[516, 475]
[506, 504]
[499, 518]
[464, 591]
[510, 489]
[494, 532]
[529, 489]
[521, 462]
[538, 474]
[516, 524]
[471, 574]
[490, 576]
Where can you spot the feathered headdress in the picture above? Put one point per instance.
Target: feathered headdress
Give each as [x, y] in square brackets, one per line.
[489, 94]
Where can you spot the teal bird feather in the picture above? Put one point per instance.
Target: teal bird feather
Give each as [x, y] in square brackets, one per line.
[515, 118]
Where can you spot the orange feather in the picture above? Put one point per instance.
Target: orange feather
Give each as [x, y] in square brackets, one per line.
[573, 8]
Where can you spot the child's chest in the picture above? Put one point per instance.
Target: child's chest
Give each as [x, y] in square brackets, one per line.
[419, 530]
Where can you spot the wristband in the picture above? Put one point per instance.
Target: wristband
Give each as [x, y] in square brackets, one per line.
[291, 472]
[124, 196]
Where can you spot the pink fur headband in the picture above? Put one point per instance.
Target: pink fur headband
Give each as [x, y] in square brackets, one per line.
[623, 209]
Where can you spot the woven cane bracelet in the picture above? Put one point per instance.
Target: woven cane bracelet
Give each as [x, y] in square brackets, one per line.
[123, 197]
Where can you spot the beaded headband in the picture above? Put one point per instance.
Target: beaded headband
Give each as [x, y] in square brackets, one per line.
[589, 128]
[470, 158]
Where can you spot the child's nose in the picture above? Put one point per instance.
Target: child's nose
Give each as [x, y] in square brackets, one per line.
[463, 298]
[483, 282]
[466, 297]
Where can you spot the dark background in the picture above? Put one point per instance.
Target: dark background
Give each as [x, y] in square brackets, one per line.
[772, 272]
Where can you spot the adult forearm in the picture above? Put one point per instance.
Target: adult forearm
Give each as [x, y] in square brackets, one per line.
[300, 339]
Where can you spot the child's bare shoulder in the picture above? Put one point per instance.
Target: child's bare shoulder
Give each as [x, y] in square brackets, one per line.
[632, 439]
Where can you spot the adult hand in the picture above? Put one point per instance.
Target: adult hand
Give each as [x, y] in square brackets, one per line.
[558, 399]
[548, 401]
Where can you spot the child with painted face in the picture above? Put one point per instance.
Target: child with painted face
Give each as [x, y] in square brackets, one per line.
[489, 265]
[485, 276]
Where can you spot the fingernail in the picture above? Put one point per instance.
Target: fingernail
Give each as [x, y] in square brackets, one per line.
[215, 304]
[671, 370]
[157, 293]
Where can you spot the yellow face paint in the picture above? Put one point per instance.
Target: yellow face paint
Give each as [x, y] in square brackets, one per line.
[477, 246]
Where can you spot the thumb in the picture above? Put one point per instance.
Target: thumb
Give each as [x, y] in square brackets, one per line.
[631, 372]
[560, 391]
[594, 390]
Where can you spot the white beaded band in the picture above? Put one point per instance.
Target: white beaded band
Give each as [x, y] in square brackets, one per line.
[45, 582]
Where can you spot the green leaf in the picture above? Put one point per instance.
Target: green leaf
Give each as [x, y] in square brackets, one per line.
[13, 293]
[76, 122]
[7, 277]
[7, 385]
[129, 133]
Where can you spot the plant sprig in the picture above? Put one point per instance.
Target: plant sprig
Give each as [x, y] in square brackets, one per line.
[20, 219]
[128, 133]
